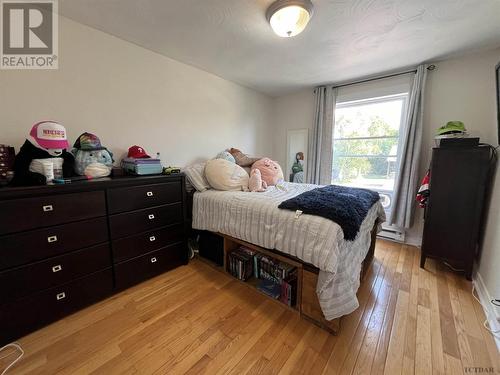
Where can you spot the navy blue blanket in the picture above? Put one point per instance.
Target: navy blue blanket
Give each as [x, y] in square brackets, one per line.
[346, 206]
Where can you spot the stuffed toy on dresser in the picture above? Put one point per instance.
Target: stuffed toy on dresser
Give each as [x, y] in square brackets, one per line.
[92, 159]
[43, 156]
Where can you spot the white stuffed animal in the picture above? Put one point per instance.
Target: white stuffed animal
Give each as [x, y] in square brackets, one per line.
[256, 184]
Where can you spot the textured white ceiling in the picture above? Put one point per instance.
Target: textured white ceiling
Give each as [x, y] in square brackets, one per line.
[345, 39]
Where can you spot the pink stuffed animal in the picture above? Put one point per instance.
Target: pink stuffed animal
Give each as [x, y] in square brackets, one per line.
[270, 170]
[256, 183]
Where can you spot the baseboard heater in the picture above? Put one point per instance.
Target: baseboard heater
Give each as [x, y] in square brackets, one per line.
[392, 233]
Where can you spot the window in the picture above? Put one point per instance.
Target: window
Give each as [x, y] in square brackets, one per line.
[366, 143]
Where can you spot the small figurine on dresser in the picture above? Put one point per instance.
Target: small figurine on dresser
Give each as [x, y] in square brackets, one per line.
[92, 159]
[43, 156]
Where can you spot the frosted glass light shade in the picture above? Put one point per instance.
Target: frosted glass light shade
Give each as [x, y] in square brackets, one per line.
[288, 17]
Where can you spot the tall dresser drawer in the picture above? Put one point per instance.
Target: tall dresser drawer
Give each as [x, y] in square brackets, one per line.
[29, 213]
[27, 314]
[134, 198]
[26, 247]
[140, 244]
[144, 267]
[19, 282]
[143, 220]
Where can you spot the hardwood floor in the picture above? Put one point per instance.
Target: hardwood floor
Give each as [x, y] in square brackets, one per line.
[195, 320]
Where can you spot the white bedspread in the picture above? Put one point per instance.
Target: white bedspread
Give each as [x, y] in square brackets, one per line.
[255, 218]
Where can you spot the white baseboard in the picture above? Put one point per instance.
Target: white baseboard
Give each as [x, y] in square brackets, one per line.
[492, 313]
[407, 240]
[414, 241]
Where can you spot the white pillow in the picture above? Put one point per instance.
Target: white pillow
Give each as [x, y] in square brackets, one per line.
[196, 176]
[224, 175]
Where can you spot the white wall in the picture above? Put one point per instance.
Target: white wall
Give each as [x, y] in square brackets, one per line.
[129, 95]
[294, 111]
[459, 89]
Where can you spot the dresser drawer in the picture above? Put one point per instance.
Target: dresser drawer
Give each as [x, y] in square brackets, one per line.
[27, 247]
[144, 267]
[140, 244]
[30, 313]
[134, 198]
[143, 220]
[30, 213]
[19, 282]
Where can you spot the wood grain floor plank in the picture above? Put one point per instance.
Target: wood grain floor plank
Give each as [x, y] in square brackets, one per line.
[375, 327]
[284, 348]
[480, 356]
[293, 362]
[453, 366]
[314, 343]
[463, 342]
[395, 352]
[262, 345]
[411, 325]
[447, 323]
[379, 360]
[423, 354]
[436, 338]
[248, 336]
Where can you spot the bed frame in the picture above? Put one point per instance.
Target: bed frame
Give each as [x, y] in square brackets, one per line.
[307, 301]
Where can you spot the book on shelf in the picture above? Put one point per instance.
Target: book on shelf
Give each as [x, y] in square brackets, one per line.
[270, 268]
[241, 263]
[289, 290]
[270, 288]
[277, 279]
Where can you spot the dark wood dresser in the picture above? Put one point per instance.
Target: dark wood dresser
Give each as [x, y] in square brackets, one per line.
[459, 184]
[63, 247]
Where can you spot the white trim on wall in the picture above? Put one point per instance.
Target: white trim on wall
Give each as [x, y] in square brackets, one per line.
[492, 313]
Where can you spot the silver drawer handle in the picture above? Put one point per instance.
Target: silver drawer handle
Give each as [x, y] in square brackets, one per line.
[61, 296]
[48, 208]
[57, 268]
[149, 193]
[152, 238]
[153, 260]
[151, 216]
[52, 239]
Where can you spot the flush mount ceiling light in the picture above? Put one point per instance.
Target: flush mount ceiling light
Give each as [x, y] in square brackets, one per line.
[289, 17]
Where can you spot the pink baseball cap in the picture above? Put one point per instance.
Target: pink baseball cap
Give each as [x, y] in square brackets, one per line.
[50, 135]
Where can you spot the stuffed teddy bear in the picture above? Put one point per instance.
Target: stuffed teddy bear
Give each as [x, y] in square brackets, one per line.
[270, 170]
[91, 158]
[47, 141]
[256, 184]
[243, 160]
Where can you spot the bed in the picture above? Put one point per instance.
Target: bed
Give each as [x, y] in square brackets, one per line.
[256, 219]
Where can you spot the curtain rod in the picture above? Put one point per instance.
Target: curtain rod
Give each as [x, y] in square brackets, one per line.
[430, 67]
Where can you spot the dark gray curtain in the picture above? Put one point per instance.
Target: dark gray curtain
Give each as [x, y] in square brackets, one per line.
[408, 178]
[319, 170]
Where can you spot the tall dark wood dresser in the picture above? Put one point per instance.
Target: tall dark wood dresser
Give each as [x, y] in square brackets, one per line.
[64, 247]
[460, 180]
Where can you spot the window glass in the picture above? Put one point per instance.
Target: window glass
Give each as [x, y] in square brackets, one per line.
[366, 143]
